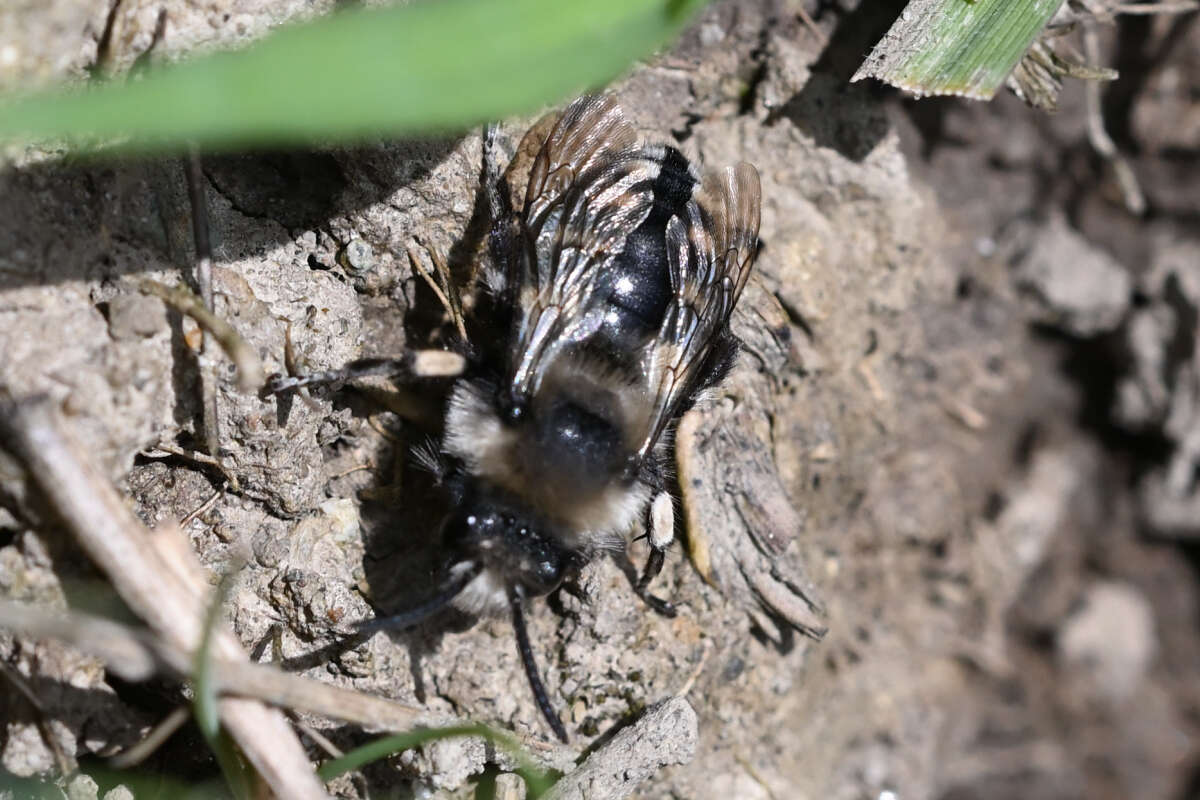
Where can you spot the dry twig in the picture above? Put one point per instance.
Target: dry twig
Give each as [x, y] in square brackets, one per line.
[164, 730]
[156, 575]
[65, 764]
[196, 457]
[203, 275]
[136, 655]
[183, 300]
[1102, 143]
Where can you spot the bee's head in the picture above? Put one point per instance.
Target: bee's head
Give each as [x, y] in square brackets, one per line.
[510, 545]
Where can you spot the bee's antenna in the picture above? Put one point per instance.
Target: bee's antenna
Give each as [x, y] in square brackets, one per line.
[516, 601]
[420, 613]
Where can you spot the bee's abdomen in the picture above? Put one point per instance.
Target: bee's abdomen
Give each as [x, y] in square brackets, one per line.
[640, 281]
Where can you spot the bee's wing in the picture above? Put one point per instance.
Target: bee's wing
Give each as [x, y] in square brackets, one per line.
[588, 186]
[709, 256]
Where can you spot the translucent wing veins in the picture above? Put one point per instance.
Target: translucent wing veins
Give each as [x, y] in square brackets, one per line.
[710, 262]
[589, 187]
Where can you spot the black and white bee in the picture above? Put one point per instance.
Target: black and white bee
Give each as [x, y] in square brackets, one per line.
[601, 316]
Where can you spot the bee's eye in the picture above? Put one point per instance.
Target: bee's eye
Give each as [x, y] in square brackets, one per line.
[512, 407]
[462, 532]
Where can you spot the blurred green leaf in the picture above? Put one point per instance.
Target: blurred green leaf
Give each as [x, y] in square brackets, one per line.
[537, 780]
[141, 783]
[205, 701]
[362, 73]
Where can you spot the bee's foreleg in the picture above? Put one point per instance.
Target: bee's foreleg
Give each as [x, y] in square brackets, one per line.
[412, 365]
[492, 176]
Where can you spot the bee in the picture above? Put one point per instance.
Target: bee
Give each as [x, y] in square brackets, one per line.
[601, 315]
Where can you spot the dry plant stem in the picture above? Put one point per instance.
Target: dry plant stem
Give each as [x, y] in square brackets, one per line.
[447, 281]
[183, 300]
[195, 183]
[444, 291]
[332, 750]
[102, 66]
[303, 694]
[1101, 142]
[795, 610]
[125, 654]
[292, 365]
[198, 458]
[135, 657]
[164, 730]
[92, 510]
[202, 508]
[200, 235]
[17, 680]
[1181, 7]
[1109, 13]
[811, 24]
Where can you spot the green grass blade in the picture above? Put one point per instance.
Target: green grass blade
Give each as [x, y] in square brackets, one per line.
[537, 780]
[960, 47]
[427, 66]
[204, 703]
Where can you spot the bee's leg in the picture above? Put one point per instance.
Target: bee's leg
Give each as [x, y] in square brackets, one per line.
[660, 528]
[499, 204]
[501, 267]
[413, 364]
[418, 614]
[515, 601]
